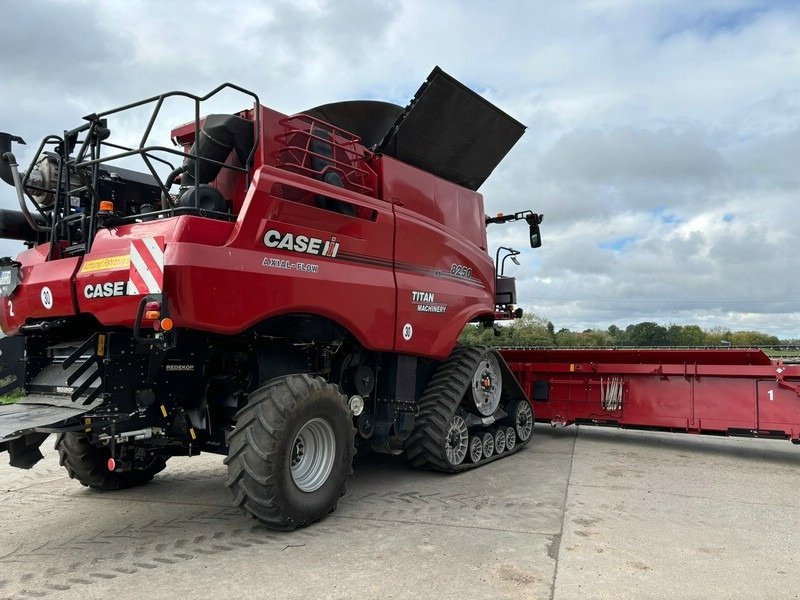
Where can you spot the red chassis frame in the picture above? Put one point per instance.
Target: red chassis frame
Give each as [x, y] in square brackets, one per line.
[728, 391]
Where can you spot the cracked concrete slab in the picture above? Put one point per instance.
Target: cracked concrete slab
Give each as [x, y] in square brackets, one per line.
[581, 513]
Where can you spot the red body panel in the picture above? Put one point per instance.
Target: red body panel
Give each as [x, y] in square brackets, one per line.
[444, 276]
[40, 279]
[702, 391]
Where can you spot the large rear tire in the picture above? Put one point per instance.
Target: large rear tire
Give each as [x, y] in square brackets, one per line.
[291, 452]
[89, 464]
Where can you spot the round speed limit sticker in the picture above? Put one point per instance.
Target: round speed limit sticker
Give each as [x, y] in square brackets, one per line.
[47, 298]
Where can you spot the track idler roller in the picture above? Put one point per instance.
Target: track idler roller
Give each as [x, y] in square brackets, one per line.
[499, 440]
[475, 449]
[488, 444]
[511, 439]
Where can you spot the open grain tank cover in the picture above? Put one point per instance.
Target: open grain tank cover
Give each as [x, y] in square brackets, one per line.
[452, 132]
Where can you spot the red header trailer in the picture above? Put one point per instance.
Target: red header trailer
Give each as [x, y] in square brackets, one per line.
[722, 392]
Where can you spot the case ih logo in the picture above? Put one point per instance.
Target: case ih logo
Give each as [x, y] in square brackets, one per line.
[301, 243]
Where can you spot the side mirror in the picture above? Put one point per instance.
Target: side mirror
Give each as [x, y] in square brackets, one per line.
[536, 236]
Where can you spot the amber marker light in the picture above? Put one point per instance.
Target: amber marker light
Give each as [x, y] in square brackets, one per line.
[167, 324]
[152, 311]
[106, 206]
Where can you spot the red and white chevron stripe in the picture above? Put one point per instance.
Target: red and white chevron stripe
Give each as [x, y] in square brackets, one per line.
[147, 266]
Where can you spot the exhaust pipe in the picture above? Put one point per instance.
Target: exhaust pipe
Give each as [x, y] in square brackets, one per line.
[10, 174]
[5, 162]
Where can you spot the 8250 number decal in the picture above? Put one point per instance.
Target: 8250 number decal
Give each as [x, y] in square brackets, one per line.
[461, 271]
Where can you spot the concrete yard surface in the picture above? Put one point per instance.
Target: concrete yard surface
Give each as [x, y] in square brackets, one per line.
[580, 513]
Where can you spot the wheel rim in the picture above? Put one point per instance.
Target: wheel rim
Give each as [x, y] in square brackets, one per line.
[499, 441]
[475, 449]
[313, 453]
[456, 441]
[523, 421]
[487, 386]
[511, 438]
[488, 445]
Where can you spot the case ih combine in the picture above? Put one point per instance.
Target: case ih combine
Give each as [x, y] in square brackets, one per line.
[292, 290]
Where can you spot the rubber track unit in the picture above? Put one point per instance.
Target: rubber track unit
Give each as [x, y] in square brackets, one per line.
[425, 447]
[88, 464]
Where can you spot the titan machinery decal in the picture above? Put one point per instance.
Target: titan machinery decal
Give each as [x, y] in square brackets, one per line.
[426, 302]
[301, 243]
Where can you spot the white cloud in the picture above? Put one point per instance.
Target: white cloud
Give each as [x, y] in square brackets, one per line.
[663, 135]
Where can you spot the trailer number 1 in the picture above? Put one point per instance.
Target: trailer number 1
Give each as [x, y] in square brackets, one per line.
[771, 394]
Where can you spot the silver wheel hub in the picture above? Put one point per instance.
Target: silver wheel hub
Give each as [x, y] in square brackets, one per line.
[313, 453]
[487, 386]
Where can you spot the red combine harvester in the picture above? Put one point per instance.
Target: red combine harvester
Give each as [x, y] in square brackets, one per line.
[722, 392]
[289, 292]
[292, 292]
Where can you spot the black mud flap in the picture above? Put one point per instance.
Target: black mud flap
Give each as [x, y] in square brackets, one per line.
[26, 424]
[12, 367]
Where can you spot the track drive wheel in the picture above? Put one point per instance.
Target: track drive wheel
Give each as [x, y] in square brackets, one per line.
[89, 464]
[291, 452]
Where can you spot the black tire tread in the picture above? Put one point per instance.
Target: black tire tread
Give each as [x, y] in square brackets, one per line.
[254, 444]
[87, 464]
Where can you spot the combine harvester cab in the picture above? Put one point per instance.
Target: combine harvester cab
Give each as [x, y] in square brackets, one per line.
[279, 289]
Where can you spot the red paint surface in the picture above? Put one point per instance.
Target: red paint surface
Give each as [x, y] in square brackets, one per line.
[701, 391]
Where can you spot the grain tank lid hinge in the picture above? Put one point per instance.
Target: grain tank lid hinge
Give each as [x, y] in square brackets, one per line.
[452, 132]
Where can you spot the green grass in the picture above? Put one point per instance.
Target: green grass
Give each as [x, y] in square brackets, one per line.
[12, 397]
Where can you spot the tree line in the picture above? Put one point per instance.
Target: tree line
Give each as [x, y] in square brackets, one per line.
[534, 331]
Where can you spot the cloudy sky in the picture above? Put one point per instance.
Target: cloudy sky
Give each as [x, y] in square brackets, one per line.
[663, 138]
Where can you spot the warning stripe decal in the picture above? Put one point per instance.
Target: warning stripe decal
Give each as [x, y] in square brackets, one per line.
[147, 266]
